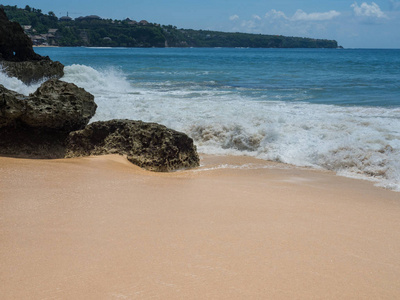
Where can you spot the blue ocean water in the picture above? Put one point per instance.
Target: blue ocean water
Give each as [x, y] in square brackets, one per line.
[336, 109]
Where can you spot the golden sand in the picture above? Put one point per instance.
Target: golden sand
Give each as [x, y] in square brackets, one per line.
[101, 228]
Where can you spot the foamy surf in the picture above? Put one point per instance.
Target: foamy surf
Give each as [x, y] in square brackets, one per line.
[17, 85]
[359, 142]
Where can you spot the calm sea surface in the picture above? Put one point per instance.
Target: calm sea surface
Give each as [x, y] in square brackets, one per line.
[323, 108]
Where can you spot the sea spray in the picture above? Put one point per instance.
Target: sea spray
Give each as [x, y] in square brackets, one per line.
[17, 85]
[362, 142]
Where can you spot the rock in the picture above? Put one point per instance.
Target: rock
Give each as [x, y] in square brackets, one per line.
[148, 145]
[55, 105]
[17, 57]
[15, 45]
[59, 105]
[38, 125]
[33, 71]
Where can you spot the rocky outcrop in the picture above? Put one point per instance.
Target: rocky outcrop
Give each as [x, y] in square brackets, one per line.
[50, 123]
[44, 124]
[148, 145]
[17, 57]
[33, 71]
[38, 125]
[59, 105]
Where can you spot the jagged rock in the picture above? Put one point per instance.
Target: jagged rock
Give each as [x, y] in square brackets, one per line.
[59, 105]
[33, 71]
[17, 57]
[148, 145]
[37, 125]
[55, 105]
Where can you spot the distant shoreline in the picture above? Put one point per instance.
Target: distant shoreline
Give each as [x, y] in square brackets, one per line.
[94, 31]
[45, 46]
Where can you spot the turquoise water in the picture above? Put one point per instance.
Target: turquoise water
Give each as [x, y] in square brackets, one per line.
[326, 76]
[321, 108]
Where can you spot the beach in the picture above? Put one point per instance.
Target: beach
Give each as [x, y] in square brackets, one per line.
[234, 228]
[297, 195]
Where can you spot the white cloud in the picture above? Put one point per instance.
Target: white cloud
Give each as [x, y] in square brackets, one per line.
[317, 16]
[275, 14]
[234, 17]
[301, 15]
[300, 23]
[352, 28]
[368, 10]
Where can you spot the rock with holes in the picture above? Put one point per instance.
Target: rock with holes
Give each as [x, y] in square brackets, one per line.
[34, 125]
[148, 145]
[34, 70]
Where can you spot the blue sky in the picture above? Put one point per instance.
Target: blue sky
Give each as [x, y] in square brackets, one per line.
[354, 24]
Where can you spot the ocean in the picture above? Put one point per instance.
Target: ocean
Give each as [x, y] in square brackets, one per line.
[332, 109]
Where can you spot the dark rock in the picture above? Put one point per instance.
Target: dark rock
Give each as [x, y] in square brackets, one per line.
[33, 71]
[59, 105]
[37, 125]
[17, 57]
[55, 105]
[15, 45]
[148, 145]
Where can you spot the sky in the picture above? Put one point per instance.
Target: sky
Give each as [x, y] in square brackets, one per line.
[354, 24]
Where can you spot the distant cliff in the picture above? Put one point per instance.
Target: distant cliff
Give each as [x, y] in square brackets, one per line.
[93, 31]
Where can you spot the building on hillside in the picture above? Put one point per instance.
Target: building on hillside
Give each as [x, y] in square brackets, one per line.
[131, 22]
[27, 28]
[66, 19]
[38, 40]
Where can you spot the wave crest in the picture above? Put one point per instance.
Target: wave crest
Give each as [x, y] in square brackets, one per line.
[362, 142]
[14, 84]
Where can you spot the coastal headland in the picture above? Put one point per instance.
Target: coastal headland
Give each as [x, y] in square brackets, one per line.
[94, 31]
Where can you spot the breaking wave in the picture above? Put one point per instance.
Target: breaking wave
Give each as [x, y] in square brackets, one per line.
[17, 85]
[359, 142]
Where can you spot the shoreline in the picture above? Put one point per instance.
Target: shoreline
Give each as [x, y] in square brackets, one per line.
[45, 46]
[100, 227]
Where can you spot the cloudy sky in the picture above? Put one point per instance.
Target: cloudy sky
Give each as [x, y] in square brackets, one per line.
[354, 24]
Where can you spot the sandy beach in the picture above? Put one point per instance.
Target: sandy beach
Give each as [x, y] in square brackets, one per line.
[102, 228]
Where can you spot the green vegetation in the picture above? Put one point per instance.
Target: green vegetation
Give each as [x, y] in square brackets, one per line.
[93, 31]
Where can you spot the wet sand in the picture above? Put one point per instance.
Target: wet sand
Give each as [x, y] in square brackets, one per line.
[101, 228]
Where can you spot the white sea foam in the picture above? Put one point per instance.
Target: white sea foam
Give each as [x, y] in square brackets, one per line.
[17, 85]
[360, 142]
